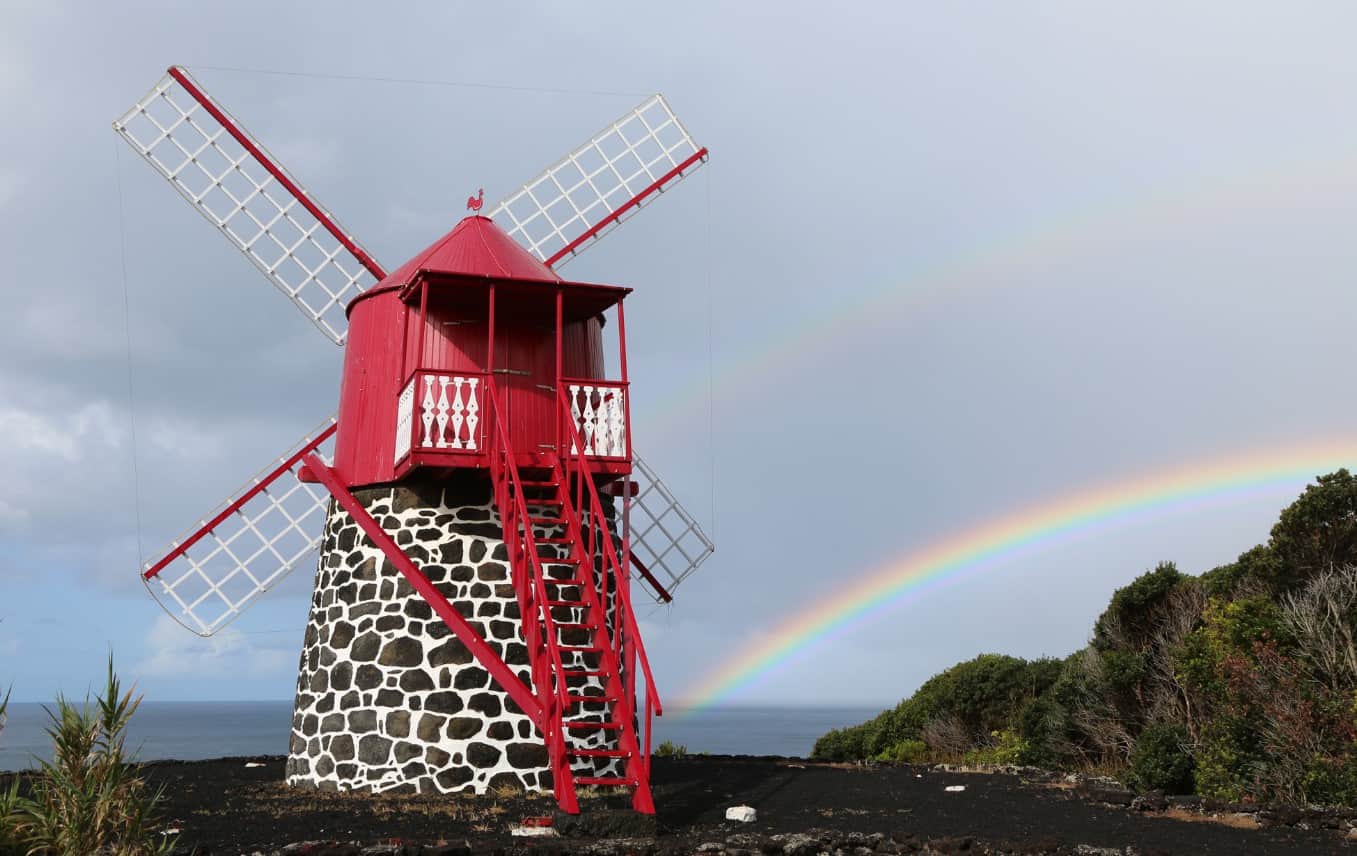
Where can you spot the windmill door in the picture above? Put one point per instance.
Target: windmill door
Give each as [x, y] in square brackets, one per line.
[525, 373]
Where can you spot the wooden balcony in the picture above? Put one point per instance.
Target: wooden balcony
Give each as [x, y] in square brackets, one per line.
[444, 421]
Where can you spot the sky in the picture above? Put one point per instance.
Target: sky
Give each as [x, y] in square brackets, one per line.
[945, 263]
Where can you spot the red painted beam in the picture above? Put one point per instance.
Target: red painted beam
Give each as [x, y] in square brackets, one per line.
[650, 578]
[699, 155]
[240, 502]
[480, 649]
[274, 170]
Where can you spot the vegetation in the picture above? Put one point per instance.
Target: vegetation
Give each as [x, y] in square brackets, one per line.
[1240, 683]
[670, 749]
[88, 798]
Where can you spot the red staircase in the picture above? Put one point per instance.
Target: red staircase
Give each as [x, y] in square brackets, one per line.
[578, 623]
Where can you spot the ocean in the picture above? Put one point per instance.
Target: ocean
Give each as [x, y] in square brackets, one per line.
[189, 731]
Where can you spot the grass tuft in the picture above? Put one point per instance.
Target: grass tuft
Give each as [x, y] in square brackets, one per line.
[88, 798]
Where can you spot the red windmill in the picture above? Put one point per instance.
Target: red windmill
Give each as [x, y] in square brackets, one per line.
[472, 621]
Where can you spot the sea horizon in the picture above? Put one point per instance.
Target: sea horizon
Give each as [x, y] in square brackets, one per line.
[188, 730]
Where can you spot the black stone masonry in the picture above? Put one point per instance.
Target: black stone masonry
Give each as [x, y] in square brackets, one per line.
[387, 697]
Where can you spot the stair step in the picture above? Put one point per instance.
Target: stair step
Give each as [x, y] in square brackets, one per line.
[546, 521]
[531, 483]
[565, 540]
[572, 604]
[584, 673]
[574, 625]
[599, 753]
[547, 561]
[590, 699]
[590, 649]
[591, 726]
[604, 780]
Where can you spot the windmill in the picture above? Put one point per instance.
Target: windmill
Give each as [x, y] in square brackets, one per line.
[478, 508]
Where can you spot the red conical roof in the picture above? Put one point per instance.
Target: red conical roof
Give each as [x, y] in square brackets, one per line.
[474, 247]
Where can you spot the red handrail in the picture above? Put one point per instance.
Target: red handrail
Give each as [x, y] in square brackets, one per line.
[529, 540]
[610, 554]
[501, 456]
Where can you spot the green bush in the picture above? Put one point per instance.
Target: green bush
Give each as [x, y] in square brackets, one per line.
[1005, 747]
[1162, 760]
[1331, 781]
[1317, 532]
[983, 695]
[1130, 614]
[670, 749]
[905, 752]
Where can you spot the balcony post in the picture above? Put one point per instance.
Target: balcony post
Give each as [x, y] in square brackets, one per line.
[423, 320]
[622, 366]
[560, 316]
[490, 361]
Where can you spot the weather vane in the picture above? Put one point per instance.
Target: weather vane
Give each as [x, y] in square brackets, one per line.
[474, 203]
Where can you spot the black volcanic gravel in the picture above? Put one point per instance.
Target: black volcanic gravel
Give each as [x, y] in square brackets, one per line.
[225, 807]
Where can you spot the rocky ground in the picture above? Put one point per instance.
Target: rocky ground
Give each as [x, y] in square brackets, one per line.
[239, 805]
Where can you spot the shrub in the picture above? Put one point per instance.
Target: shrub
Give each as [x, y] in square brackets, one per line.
[1227, 758]
[1331, 781]
[905, 752]
[670, 749]
[1130, 616]
[1317, 532]
[1004, 747]
[1162, 760]
[1043, 725]
[842, 744]
[88, 799]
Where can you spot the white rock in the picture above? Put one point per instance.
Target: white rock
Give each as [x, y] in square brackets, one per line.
[955, 789]
[742, 813]
[533, 832]
[249, 764]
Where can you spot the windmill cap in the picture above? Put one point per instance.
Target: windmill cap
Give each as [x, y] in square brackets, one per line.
[475, 248]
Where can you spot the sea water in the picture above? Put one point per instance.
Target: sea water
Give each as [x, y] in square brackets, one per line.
[190, 731]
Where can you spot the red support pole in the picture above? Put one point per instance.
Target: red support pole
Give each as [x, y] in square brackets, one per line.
[423, 321]
[622, 366]
[490, 353]
[560, 319]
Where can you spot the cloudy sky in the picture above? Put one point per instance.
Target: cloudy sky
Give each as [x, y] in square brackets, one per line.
[944, 265]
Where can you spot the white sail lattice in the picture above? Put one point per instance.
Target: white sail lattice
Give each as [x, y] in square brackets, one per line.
[665, 538]
[587, 193]
[246, 546]
[261, 210]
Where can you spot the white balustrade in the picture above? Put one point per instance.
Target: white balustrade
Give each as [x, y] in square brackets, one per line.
[600, 415]
[405, 417]
[450, 418]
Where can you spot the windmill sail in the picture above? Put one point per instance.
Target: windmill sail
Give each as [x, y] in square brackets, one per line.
[667, 544]
[575, 201]
[228, 177]
[246, 546]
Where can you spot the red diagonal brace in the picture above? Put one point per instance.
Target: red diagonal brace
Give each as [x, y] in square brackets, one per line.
[484, 654]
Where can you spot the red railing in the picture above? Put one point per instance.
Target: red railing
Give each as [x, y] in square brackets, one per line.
[597, 416]
[441, 412]
[532, 594]
[627, 643]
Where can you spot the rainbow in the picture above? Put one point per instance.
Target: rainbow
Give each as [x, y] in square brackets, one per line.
[1003, 539]
[931, 283]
